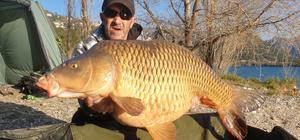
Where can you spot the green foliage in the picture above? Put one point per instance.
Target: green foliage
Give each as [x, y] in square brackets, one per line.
[274, 86]
[272, 92]
[297, 62]
[75, 38]
[31, 97]
[277, 84]
[232, 77]
[272, 83]
[289, 83]
[254, 80]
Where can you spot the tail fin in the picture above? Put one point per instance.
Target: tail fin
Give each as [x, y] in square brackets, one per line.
[234, 121]
[232, 116]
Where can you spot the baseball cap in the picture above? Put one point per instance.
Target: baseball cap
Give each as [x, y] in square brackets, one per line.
[127, 3]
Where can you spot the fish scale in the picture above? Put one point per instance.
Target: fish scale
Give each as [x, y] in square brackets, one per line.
[150, 84]
[150, 80]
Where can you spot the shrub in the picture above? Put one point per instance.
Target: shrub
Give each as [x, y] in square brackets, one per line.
[277, 84]
[232, 77]
[271, 93]
[255, 80]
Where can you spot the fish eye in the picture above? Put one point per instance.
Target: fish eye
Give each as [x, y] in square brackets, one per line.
[74, 66]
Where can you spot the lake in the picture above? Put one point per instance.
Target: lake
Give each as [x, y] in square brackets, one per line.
[265, 72]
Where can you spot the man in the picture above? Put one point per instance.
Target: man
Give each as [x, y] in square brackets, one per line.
[118, 23]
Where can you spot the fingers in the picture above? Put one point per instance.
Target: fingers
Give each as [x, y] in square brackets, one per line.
[103, 105]
[89, 102]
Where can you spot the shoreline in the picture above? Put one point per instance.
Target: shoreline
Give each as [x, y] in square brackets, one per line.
[263, 65]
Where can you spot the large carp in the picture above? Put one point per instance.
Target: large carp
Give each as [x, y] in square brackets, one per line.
[150, 84]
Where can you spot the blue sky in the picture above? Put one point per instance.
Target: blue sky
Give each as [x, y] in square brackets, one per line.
[60, 7]
[56, 6]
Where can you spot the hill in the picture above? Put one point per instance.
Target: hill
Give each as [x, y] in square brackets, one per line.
[275, 52]
[60, 24]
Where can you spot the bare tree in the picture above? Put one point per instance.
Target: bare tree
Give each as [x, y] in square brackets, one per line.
[144, 4]
[69, 24]
[85, 18]
[190, 20]
[209, 12]
[211, 25]
[288, 49]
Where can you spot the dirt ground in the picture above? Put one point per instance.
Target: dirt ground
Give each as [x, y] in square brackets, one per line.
[15, 112]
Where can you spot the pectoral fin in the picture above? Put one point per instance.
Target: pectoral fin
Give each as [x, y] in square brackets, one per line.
[165, 131]
[132, 106]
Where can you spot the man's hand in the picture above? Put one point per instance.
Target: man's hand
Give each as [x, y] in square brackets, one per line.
[101, 105]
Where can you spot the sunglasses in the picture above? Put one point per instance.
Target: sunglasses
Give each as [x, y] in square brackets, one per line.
[124, 14]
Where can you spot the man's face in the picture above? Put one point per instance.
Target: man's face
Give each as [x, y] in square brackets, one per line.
[117, 21]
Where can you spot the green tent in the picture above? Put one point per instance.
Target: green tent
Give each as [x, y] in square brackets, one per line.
[27, 41]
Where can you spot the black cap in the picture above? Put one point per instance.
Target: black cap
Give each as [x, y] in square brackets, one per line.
[127, 3]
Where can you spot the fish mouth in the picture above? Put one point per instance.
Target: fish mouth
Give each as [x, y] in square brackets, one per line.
[49, 84]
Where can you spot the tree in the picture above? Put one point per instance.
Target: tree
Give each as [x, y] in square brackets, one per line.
[85, 18]
[77, 29]
[219, 29]
[69, 24]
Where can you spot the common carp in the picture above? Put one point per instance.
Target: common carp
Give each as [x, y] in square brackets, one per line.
[150, 84]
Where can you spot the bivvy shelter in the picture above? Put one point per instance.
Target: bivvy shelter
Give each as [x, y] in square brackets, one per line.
[27, 40]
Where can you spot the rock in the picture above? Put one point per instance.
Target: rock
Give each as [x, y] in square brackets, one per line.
[6, 89]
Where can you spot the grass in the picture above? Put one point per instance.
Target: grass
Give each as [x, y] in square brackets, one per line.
[272, 92]
[232, 77]
[32, 97]
[278, 84]
[275, 86]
